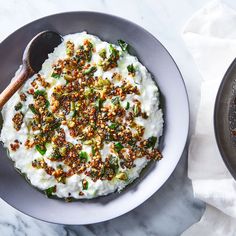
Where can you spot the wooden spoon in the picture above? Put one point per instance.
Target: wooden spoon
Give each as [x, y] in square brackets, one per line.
[36, 52]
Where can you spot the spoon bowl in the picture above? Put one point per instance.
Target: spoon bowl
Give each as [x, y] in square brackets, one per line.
[35, 53]
[38, 49]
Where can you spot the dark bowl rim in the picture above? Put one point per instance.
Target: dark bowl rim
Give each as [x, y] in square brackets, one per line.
[217, 120]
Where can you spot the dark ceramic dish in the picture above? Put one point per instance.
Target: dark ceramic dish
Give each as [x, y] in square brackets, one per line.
[21, 195]
[225, 118]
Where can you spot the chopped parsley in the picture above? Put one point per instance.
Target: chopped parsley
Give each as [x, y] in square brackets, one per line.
[47, 104]
[18, 106]
[102, 53]
[136, 110]
[56, 124]
[115, 100]
[56, 76]
[151, 141]
[127, 106]
[50, 191]
[83, 156]
[41, 149]
[114, 52]
[131, 69]
[90, 70]
[39, 93]
[118, 146]
[113, 161]
[32, 108]
[123, 44]
[113, 126]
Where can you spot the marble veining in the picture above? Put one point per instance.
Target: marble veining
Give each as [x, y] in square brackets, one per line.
[173, 208]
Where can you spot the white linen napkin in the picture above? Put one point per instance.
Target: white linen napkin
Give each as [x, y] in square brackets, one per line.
[210, 36]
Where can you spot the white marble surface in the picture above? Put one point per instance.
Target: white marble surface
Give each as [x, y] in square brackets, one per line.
[173, 208]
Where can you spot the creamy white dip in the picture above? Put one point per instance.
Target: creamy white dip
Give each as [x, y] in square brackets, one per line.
[23, 157]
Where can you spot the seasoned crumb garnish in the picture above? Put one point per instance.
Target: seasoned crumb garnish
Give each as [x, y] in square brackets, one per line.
[23, 97]
[93, 110]
[18, 120]
[14, 146]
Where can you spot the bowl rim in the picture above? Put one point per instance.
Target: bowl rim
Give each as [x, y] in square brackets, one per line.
[218, 119]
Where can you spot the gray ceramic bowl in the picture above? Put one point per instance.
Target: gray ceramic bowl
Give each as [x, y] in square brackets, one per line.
[18, 193]
[225, 118]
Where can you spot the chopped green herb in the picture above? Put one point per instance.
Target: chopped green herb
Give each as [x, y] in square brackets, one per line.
[56, 76]
[114, 52]
[83, 156]
[41, 149]
[136, 110]
[56, 154]
[89, 52]
[50, 191]
[118, 146]
[151, 141]
[98, 103]
[72, 105]
[39, 93]
[115, 100]
[18, 106]
[131, 68]
[32, 108]
[102, 53]
[113, 126]
[113, 161]
[94, 173]
[109, 137]
[47, 104]
[68, 51]
[123, 44]
[90, 70]
[102, 171]
[132, 142]
[60, 167]
[74, 113]
[56, 124]
[127, 106]
[89, 56]
[62, 151]
[85, 184]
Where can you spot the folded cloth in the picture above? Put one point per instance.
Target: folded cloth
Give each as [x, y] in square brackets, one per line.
[210, 36]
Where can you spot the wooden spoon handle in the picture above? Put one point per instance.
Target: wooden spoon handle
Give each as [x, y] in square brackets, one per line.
[14, 86]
